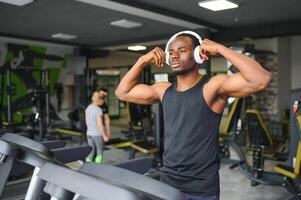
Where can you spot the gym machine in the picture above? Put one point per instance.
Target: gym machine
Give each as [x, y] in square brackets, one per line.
[291, 172]
[36, 98]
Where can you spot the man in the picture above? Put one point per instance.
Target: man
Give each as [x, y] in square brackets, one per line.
[192, 108]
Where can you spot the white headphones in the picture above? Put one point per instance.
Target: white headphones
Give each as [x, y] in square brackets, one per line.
[196, 52]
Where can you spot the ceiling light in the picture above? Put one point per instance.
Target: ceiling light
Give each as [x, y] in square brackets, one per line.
[247, 39]
[124, 23]
[17, 2]
[217, 5]
[64, 36]
[136, 48]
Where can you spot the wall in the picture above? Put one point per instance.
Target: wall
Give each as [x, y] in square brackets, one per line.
[284, 72]
[16, 54]
[218, 64]
[115, 59]
[296, 62]
[122, 59]
[268, 44]
[289, 49]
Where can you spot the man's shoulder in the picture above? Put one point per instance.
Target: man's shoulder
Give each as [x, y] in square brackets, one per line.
[212, 88]
[219, 77]
[160, 88]
[161, 85]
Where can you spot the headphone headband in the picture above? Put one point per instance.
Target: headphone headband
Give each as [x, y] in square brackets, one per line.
[197, 57]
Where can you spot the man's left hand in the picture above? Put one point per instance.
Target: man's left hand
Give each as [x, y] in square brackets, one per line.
[208, 47]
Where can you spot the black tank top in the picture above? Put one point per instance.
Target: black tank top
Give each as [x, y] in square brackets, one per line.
[191, 146]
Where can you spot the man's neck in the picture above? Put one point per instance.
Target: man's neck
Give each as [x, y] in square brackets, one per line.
[185, 82]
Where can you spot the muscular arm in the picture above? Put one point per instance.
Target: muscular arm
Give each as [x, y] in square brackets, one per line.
[129, 90]
[251, 78]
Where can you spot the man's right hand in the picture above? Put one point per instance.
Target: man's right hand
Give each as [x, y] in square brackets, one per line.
[129, 88]
[156, 56]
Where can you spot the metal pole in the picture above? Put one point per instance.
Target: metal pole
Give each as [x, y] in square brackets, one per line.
[9, 96]
[1, 99]
[47, 97]
[35, 186]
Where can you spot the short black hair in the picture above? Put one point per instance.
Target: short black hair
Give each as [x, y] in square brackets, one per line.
[195, 40]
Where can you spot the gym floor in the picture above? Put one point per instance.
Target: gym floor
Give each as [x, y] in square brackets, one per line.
[234, 185]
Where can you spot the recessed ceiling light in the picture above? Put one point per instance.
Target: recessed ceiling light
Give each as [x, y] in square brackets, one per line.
[247, 39]
[17, 2]
[136, 48]
[124, 23]
[217, 5]
[64, 36]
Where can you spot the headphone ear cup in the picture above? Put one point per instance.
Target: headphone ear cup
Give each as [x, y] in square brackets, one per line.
[197, 56]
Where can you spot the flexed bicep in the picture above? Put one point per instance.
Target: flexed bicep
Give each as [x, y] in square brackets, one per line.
[237, 86]
[142, 94]
[146, 94]
[129, 89]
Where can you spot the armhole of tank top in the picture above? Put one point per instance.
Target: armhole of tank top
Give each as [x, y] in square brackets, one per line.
[164, 94]
[205, 102]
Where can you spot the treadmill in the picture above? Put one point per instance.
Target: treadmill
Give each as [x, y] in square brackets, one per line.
[92, 182]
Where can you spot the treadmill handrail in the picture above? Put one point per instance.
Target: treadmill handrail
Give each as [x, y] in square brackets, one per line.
[26, 142]
[84, 184]
[7, 149]
[136, 182]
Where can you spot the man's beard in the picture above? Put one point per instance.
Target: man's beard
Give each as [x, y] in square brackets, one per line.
[184, 71]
